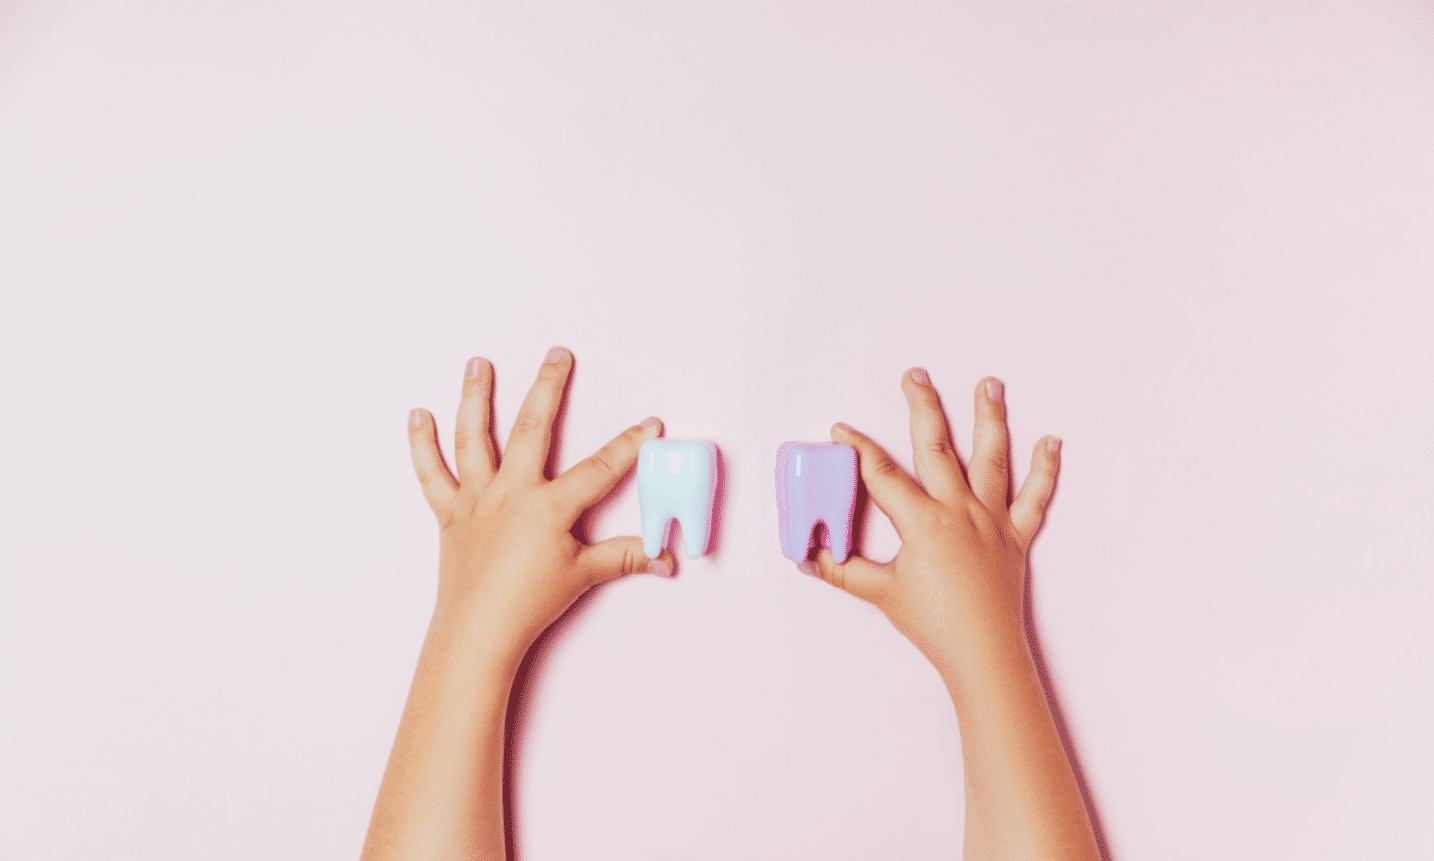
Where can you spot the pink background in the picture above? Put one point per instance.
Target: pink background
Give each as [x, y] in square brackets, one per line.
[239, 240]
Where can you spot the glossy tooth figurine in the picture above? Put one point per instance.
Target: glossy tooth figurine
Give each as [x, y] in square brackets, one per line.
[816, 483]
[676, 479]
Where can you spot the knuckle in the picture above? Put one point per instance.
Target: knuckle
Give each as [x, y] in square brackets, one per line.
[602, 461]
[461, 512]
[527, 422]
[883, 465]
[631, 560]
[948, 521]
[463, 509]
[939, 447]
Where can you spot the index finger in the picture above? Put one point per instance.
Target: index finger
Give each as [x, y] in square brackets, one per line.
[890, 487]
[581, 487]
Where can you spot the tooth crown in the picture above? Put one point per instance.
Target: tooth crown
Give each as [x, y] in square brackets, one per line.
[816, 482]
[676, 479]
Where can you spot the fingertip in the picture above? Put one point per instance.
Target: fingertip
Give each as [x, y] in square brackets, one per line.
[666, 561]
[415, 418]
[1053, 446]
[992, 389]
[919, 376]
[661, 566]
[651, 427]
[477, 377]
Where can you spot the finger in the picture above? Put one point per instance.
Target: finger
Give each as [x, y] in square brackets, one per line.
[615, 557]
[863, 578]
[473, 442]
[581, 487]
[890, 487]
[527, 451]
[1030, 505]
[991, 447]
[437, 482]
[934, 456]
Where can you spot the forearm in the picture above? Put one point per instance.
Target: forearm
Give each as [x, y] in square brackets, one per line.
[442, 793]
[1022, 799]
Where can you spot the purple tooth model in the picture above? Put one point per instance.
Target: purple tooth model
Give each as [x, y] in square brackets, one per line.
[816, 483]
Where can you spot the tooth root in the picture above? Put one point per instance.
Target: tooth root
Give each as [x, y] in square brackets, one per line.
[654, 528]
[676, 479]
[816, 483]
[839, 538]
[694, 533]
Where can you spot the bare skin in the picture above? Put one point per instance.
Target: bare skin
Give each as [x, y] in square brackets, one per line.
[956, 590]
[509, 565]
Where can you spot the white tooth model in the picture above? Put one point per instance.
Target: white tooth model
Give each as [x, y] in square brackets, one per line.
[676, 479]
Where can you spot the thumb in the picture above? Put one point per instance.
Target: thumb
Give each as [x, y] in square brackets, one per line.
[615, 557]
[861, 577]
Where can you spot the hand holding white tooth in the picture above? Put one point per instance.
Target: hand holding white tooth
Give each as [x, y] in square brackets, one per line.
[676, 479]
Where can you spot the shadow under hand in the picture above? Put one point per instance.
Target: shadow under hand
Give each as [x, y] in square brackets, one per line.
[519, 715]
[1053, 701]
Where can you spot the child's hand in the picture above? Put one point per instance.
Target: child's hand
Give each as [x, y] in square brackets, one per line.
[956, 587]
[508, 562]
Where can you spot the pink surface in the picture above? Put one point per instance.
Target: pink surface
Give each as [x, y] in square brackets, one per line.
[238, 241]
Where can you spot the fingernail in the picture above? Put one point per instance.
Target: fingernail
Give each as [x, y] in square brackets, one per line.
[650, 421]
[660, 568]
[844, 426]
[808, 567]
[415, 418]
[1053, 445]
[475, 365]
[556, 354]
[995, 389]
[920, 376]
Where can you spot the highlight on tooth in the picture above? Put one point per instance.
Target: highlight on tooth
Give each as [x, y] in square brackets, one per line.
[676, 480]
[816, 483]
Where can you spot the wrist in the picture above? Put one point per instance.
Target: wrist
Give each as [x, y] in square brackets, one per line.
[975, 671]
[476, 644]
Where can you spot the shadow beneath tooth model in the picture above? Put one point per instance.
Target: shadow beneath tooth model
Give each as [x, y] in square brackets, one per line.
[714, 541]
[1053, 701]
[520, 713]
